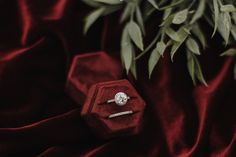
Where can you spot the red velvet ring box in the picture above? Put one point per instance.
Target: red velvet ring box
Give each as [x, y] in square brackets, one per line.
[90, 83]
[96, 110]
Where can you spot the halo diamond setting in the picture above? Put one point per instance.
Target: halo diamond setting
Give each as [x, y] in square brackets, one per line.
[121, 98]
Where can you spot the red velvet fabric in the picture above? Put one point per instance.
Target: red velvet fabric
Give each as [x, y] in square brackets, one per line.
[38, 39]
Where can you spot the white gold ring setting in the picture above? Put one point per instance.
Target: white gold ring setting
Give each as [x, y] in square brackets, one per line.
[120, 99]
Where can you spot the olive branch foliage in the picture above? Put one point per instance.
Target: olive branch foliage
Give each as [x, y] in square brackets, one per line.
[180, 26]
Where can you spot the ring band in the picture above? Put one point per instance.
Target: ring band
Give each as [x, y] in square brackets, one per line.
[120, 99]
[120, 114]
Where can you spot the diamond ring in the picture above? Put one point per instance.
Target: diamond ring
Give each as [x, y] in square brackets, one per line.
[120, 99]
[120, 114]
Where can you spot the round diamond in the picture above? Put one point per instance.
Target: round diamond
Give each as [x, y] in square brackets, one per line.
[121, 98]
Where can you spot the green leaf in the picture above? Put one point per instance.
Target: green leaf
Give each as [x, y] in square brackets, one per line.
[172, 34]
[140, 19]
[210, 22]
[161, 2]
[91, 18]
[135, 34]
[199, 12]
[91, 3]
[194, 68]
[172, 5]
[167, 21]
[234, 17]
[180, 17]
[154, 4]
[191, 66]
[230, 52]
[224, 26]
[126, 49]
[133, 68]
[192, 45]
[198, 72]
[227, 8]
[149, 47]
[233, 32]
[154, 58]
[199, 34]
[126, 13]
[182, 35]
[167, 13]
[111, 2]
[187, 30]
[148, 10]
[174, 49]
[161, 47]
[216, 15]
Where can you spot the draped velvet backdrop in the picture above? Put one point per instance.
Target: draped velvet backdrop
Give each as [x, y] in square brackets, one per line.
[38, 118]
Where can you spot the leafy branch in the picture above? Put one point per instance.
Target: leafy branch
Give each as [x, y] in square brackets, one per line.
[180, 27]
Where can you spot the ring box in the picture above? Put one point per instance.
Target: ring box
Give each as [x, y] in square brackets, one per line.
[96, 110]
[88, 69]
[90, 83]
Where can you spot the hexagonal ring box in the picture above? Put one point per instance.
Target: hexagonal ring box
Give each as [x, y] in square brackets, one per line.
[111, 119]
[111, 107]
